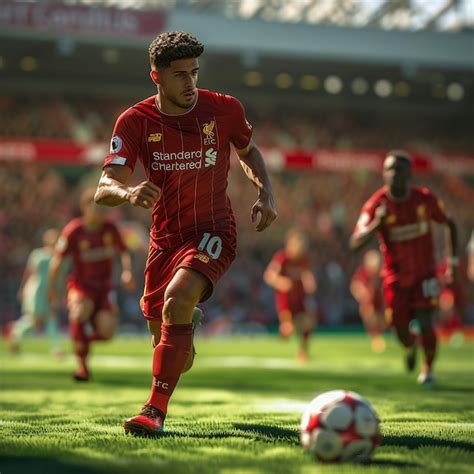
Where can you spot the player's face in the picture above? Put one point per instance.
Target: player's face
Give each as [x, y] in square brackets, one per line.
[296, 246]
[92, 213]
[396, 173]
[178, 82]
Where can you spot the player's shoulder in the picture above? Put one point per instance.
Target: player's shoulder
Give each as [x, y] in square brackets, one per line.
[377, 196]
[73, 226]
[218, 101]
[139, 110]
[422, 193]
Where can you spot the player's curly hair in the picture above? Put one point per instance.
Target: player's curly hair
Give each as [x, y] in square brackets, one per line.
[173, 45]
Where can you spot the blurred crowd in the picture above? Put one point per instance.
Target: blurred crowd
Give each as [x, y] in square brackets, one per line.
[86, 119]
[35, 197]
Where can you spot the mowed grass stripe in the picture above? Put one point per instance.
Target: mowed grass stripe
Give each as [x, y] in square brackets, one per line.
[238, 409]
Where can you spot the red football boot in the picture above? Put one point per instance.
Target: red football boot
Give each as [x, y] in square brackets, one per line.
[81, 375]
[148, 423]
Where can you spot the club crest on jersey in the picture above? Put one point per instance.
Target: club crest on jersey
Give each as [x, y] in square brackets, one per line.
[208, 130]
[84, 245]
[391, 219]
[115, 144]
[421, 211]
[108, 238]
[154, 137]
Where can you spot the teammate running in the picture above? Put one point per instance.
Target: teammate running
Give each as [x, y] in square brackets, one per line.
[401, 216]
[183, 136]
[289, 274]
[92, 242]
[33, 294]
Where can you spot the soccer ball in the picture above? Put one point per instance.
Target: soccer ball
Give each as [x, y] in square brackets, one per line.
[340, 426]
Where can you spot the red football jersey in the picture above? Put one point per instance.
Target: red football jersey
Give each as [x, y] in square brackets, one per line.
[187, 156]
[92, 253]
[405, 237]
[291, 268]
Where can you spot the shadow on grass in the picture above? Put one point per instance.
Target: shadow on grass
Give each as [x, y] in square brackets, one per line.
[39, 465]
[414, 442]
[391, 463]
[269, 432]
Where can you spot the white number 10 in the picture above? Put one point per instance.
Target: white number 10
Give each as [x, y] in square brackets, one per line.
[213, 245]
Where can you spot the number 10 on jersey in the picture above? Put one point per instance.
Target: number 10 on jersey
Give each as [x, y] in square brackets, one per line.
[212, 245]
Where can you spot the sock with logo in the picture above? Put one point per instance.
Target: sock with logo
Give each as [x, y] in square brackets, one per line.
[80, 341]
[429, 343]
[169, 357]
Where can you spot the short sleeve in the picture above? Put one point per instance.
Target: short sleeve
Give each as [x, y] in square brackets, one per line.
[126, 141]
[367, 214]
[241, 130]
[436, 209]
[66, 242]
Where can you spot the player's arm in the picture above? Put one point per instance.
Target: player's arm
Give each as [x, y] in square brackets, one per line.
[364, 231]
[254, 167]
[309, 282]
[451, 245]
[54, 270]
[112, 190]
[273, 278]
[28, 272]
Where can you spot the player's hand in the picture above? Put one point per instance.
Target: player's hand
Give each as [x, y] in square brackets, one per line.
[144, 195]
[128, 282]
[264, 206]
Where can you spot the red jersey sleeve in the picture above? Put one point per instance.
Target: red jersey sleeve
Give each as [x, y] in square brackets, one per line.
[119, 244]
[126, 141]
[67, 240]
[367, 213]
[241, 129]
[435, 208]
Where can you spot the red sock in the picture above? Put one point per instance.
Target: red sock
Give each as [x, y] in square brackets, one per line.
[169, 357]
[80, 342]
[429, 342]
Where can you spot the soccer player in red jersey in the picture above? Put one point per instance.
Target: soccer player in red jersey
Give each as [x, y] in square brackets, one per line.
[366, 288]
[183, 136]
[289, 274]
[401, 217]
[92, 242]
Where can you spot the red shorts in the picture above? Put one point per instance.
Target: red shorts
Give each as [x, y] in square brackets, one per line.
[210, 254]
[103, 299]
[402, 302]
[294, 304]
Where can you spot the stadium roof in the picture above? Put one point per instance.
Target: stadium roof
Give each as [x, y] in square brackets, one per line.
[413, 15]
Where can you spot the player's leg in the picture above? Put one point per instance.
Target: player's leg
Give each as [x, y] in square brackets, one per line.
[286, 325]
[398, 316]
[373, 326]
[81, 309]
[429, 343]
[155, 329]
[186, 289]
[304, 325]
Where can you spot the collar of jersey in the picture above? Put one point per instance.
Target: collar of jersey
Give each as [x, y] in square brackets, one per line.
[177, 115]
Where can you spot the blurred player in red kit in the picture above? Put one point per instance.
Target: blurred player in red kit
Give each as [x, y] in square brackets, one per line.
[401, 216]
[289, 274]
[366, 287]
[183, 136]
[92, 242]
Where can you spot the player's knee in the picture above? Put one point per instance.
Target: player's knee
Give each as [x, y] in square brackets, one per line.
[177, 309]
[106, 325]
[80, 311]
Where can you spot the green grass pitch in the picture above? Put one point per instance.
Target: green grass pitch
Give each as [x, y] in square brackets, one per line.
[237, 411]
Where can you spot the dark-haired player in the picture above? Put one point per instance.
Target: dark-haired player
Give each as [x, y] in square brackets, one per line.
[183, 136]
[289, 274]
[401, 216]
[92, 243]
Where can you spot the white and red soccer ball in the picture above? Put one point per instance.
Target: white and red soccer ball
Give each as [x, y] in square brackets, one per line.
[340, 426]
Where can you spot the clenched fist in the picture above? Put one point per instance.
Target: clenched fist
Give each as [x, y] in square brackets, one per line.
[144, 195]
